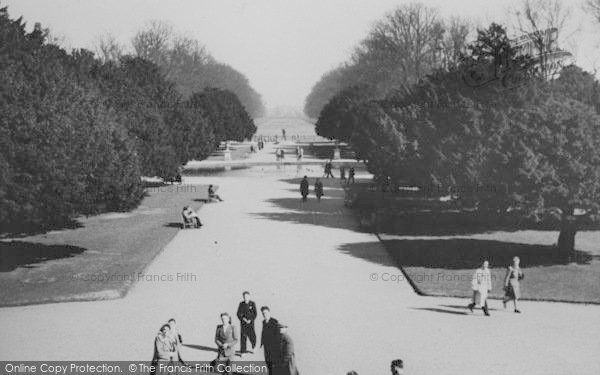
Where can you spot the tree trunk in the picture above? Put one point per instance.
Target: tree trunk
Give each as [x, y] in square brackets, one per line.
[566, 238]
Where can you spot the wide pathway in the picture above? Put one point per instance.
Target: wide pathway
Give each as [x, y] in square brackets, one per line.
[308, 262]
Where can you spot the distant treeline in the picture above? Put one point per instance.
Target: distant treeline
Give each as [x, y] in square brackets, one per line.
[78, 132]
[185, 61]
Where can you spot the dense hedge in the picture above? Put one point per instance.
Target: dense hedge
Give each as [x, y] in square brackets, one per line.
[76, 134]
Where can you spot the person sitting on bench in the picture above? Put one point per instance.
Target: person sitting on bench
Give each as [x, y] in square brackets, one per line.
[212, 195]
[189, 216]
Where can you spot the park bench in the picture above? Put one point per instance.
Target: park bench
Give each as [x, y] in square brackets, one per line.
[185, 223]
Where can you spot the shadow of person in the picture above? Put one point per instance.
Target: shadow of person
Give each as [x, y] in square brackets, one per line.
[438, 310]
[201, 347]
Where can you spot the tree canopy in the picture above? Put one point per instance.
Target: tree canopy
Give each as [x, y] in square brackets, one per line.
[536, 143]
[77, 132]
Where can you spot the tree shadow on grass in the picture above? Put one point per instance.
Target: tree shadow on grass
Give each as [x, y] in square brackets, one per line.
[370, 251]
[464, 253]
[17, 253]
[21, 231]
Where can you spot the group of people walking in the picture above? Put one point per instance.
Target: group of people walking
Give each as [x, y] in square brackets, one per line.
[481, 284]
[305, 186]
[328, 172]
[277, 344]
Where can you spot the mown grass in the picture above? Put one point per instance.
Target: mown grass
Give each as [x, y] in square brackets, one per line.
[439, 248]
[95, 260]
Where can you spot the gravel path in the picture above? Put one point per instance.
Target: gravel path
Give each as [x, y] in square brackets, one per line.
[311, 266]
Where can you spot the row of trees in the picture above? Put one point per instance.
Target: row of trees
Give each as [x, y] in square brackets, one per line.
[77, 133]
[400, 49]
[185, 62]
[413, 41]
[538, 144]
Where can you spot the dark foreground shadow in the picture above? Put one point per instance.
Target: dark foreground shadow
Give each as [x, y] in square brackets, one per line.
[370, 251]
[201, 347]
[17, 253]
[172, 225]
[22, 231]
[452, 309]
[467, 253]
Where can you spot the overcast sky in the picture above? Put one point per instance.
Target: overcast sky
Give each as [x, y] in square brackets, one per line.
[282, 46]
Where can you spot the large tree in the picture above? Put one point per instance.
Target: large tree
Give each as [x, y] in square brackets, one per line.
[188, 64]
[407, 44]
[537, 144]
[63, 151]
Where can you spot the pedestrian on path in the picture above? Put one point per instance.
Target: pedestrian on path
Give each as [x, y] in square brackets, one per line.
[269, 338]
[246, 313]
[328, 168]
[164, 351]
[286, 363]
[512, 282]
[481, 285]
[342, 173]
[226, 338]
[176, 339]
[304, 188]
[351, 174]
[318, 189]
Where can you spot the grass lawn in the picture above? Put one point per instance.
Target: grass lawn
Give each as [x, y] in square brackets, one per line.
[444, 265]
[440, 249]
[97, 260]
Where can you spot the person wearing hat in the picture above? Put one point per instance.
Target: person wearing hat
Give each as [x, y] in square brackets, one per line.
[286, 363]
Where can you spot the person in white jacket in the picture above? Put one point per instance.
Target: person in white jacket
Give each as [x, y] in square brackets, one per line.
[481, 285]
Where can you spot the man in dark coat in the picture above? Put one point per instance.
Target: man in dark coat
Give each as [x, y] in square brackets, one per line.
[286, 364]
[318, 189]
[246, 313]
[304, 188]
[269, 338]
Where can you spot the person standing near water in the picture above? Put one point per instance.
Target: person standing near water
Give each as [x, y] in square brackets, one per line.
[481, 285]
[304, 188]
[512, 283]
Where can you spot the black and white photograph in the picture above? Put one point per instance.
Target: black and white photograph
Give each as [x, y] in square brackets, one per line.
[286, 187]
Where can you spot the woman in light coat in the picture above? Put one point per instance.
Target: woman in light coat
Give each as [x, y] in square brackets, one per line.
[512, 283]
[164, 349]
[481, 285]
